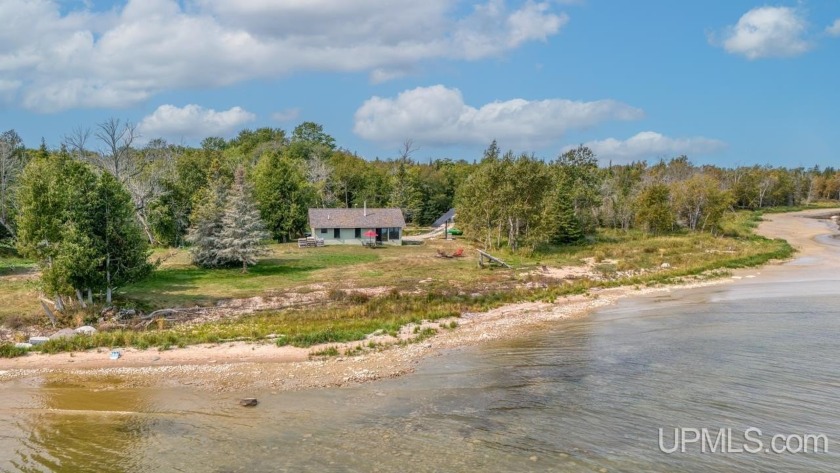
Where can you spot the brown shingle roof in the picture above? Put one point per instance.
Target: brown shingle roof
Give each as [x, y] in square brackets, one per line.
[356, 218]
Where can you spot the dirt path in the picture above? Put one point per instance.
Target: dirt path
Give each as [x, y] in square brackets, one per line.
[237, 366]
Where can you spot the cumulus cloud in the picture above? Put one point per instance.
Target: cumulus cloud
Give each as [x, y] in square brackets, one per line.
[834, 28]
[768, 32]
[651, 145]
[193, 121]
[437, 116]
[125, 55]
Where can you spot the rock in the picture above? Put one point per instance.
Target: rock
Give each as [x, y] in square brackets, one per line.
[86, 330]
[248, 402]
[25, 346]
[665, 265]
[38, 340]
[63, 333]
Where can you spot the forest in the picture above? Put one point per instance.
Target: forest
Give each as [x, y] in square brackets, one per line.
[89, 211]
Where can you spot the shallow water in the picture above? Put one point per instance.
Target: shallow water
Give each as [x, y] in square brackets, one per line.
[580, 395]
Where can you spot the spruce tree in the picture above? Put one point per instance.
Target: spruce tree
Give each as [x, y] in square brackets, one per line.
[567, 226]
[206, 225]
[243, 231]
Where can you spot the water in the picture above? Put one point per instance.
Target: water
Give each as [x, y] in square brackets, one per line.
[581, 395]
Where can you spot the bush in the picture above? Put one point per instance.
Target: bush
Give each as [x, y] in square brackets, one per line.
[7, 350]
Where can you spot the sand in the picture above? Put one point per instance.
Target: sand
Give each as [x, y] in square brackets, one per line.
[238, 366]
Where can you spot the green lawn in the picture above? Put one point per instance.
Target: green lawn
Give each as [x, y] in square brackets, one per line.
[177, 282]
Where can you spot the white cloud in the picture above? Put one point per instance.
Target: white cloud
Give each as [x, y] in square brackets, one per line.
[286, 115]
[126, 55]
[834, 28]
[437, 115]
[768, 32]
[192, 121]
[651, 145]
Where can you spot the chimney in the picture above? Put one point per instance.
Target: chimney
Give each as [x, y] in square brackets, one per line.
[365, 208]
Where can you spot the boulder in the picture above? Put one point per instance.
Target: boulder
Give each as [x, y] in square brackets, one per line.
[665, 265]
[248, 402]
[38, 340]
[63, 333]
[86, 330]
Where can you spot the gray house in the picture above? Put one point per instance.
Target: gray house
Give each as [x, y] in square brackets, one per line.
[349, 226]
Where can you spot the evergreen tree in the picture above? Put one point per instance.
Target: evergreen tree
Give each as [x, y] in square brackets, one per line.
[243, 232]
[115, 230]
[80, 226]
[206, 226]
[567, 226]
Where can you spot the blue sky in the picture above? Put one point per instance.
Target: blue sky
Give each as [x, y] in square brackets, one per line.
[726, 82]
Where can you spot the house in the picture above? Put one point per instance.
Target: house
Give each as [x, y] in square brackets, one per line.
[349, 226]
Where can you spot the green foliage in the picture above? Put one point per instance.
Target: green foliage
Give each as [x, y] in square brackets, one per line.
[9, 350]
[312, 134]
[405, 191]
[700, 202]
[12, 160]
[80, 226]
[283, 195]
[653, 209]
[520, 201]
[567, 228]
[576, 172]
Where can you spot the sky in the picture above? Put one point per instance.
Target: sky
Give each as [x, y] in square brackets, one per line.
[727, 82]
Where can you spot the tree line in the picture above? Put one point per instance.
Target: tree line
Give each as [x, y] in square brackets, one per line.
[90, 210]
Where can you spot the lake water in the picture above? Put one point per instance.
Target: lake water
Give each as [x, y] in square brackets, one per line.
[580, 395]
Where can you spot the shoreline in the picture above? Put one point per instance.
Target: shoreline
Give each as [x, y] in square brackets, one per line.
[243, 366]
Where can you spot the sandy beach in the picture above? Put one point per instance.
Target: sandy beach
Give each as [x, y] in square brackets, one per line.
[242, 366]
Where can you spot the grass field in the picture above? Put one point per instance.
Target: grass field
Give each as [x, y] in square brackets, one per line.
[416, 284]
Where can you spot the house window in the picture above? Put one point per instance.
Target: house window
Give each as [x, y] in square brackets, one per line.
[323, 230]
[358, 233]
[394, 233]
[337, 233]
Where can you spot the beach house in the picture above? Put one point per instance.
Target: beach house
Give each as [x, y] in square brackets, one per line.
[357, 226]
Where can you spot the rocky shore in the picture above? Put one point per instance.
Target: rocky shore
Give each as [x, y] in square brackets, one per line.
[237, 366]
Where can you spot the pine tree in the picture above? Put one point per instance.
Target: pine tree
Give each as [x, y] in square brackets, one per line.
[243, 232]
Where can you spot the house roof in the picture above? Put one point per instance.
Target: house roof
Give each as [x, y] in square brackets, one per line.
[447, 217]
[356, 218]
